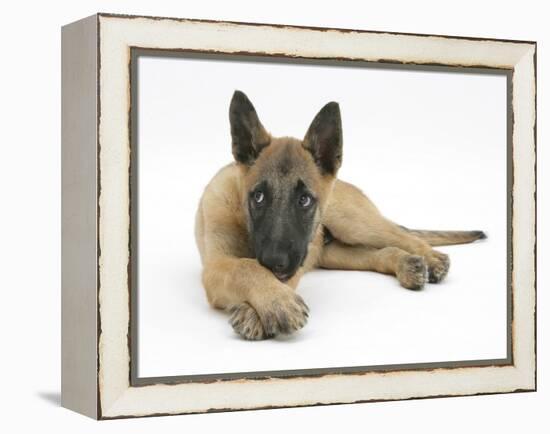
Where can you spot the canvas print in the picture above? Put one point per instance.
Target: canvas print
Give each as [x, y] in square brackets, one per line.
[263, 216]
[298, 215]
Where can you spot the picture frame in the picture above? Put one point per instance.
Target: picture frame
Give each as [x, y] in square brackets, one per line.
[99, 231]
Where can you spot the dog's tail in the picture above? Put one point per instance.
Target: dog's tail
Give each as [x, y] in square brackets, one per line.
[446, 238]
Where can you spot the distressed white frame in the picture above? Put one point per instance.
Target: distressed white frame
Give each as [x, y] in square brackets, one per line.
[103, 389]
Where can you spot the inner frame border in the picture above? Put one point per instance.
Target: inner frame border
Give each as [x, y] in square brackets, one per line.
[248, 57]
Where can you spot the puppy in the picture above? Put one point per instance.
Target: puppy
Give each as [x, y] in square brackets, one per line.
[279, 210]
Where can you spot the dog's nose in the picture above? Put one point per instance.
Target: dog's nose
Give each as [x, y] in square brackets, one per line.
[275, 261]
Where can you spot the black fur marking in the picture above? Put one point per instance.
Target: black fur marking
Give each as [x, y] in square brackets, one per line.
[248, 135]
[280, 227]
[285, 166]
[324, 139]
[480, 235]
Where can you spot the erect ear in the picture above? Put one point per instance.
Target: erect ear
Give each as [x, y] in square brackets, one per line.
[324, 139]
[248, 135]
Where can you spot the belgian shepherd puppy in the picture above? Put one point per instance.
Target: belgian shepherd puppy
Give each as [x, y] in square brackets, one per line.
[279, 210]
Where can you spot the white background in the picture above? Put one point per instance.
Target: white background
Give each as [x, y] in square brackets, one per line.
[30, 218]
[428, 147]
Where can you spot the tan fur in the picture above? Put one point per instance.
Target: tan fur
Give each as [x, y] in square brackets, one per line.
[260, 305]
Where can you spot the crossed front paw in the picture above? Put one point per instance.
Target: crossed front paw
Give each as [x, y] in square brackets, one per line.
[282, 313]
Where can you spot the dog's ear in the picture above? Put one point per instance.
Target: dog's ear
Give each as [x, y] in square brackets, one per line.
[324, 139]
[248, 135]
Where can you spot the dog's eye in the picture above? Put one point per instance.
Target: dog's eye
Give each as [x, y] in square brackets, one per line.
[258, 197]
[305, 200]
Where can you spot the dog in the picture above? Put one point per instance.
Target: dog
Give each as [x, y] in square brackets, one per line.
[279, 210]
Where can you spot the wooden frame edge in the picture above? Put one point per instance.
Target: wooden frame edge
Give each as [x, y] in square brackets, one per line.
[112, 412]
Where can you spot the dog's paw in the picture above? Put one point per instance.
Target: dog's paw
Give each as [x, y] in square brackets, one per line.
[281, 311]
[246, 322]
[412, 272]
[438, 266]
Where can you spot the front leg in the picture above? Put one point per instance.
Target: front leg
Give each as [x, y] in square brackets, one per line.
[260, 305]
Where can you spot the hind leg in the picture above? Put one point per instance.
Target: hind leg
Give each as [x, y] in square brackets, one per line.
[410, 270]
[354, 220]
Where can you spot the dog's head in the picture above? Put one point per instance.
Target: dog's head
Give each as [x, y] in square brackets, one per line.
[287, 182]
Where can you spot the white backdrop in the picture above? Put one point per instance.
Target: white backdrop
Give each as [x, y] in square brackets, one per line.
[30, 217]
[428, 147]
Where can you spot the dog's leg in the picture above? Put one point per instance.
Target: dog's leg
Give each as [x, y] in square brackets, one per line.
[260, 305]
[353, 219]
[410, 270]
